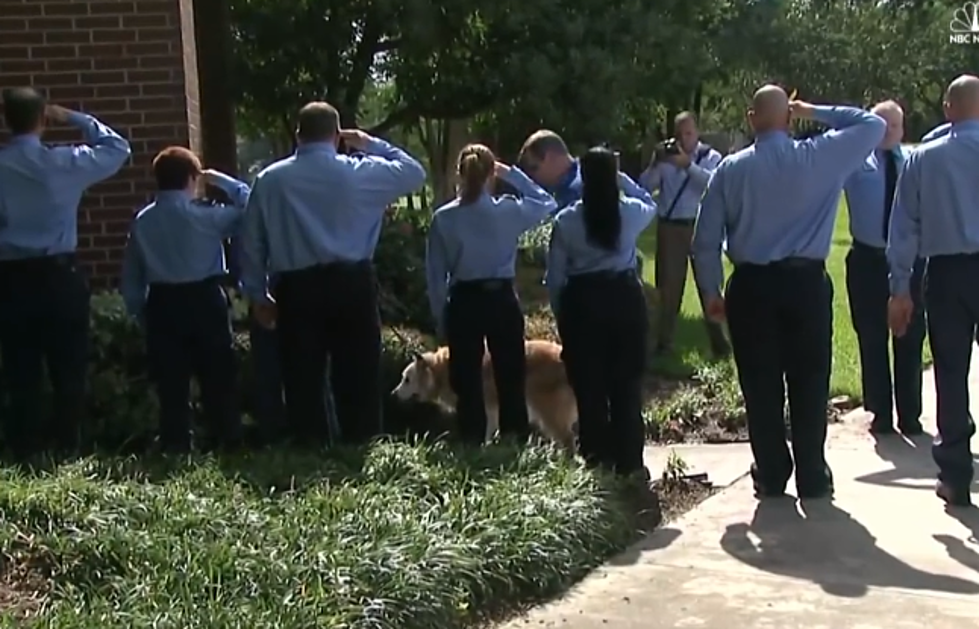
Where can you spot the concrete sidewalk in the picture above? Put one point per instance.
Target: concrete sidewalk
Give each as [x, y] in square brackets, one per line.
[884, 555]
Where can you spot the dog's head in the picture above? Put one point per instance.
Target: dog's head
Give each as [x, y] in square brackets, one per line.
[417, 380]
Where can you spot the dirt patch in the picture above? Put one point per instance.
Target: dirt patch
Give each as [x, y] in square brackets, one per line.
[23, 587]
[663, 500]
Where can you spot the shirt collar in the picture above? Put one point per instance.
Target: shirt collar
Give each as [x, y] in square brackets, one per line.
[174, 196]
[966, 126]
[771, 137]
[323, 148]
[570, 177]
[26, 139]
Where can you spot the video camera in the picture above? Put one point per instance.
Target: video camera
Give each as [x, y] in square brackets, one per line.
[667, 148]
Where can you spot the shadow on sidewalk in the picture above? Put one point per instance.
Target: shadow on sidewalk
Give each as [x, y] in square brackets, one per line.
[911, 458]
[825, 545]
[965, 552]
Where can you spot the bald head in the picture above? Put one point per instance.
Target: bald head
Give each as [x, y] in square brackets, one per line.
[769, 109]
[893, 115]
[962, 99]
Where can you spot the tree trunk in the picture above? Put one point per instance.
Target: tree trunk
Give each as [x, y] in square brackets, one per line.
[443, 139]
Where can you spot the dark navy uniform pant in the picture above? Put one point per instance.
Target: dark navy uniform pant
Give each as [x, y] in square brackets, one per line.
[952, 298]
[188, 333]
[44, 319]
[780, 318]
[604, 327]
[269, 406]
[481, 314]
[869, 290]
[328, 315]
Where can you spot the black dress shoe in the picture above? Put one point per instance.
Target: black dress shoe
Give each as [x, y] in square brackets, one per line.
[882, 426]
[953, 496]
[911, 428]
[808, 493]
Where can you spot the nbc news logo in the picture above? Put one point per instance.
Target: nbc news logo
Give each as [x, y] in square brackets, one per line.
[965, 24]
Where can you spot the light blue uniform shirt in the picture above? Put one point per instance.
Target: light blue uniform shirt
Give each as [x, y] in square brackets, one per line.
[178, 239]
[319, 207]
[568, 190]
[778, 198]
[939, 131]
[865, 197]
[936, 208]
[570, 253]
[668, 179]
[41, 187]
[479, 240]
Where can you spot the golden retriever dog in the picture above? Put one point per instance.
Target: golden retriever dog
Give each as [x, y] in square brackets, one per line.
[551, 403]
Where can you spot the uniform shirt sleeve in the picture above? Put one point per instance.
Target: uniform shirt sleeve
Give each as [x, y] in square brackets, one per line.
[709, 235]
[533, 205]
[904, 236]
[633, 190]
[133, 284]
[102, 155]
[386, 174]
[700, 173]
[226, 218]
[854, 135]
[556, 274]
[255, 248]
[436, 270]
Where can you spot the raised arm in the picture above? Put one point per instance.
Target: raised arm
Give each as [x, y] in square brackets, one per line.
[708, 238]
[102, 155]
[533, 205]
[556, 275]
[905, 230]
[636, 214]
[227, 218]
[254, 244]
[652, 177]
[700, 173]
[436, 272]
[854, 134]
[386, 173]
[633, 190]
[134, 283]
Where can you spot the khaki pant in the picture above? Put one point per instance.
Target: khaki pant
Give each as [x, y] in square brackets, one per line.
[673, 241]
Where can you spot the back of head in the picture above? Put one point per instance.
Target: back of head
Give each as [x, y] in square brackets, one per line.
[769, 110]
[600, 198]
[475, 167]
[543, 156]
[318, 122]
[176, 168]
[962, 99]
[23, 110]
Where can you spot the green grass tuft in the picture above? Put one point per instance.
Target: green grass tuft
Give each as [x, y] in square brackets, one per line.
[407, 536]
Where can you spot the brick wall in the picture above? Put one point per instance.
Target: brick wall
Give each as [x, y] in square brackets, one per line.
[132, 64]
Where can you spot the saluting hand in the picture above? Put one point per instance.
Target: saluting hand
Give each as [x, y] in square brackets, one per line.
[56, 113]
[680, 160]
[715, 310]
[800, 109]
[899, 311]
[355, 138]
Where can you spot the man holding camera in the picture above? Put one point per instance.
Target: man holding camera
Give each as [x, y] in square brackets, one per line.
[680, 169]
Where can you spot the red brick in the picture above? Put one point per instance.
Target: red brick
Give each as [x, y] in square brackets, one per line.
[65, 8]
[14, 53]
[75, 92]
[103, 78]
[22, 65]
[102, 21]
[119, 91]
[156, 34]
[146, 21]
[24, 9]
[69, 65]
[112, 36]
[16, 80]
[151, 76]
[62, 78]
[12, 24]
[68, 37]
[45, 24]
[22, 38]
[168, 61]
[112, 8]
[154, 132]
[53, 52]
[110, 241]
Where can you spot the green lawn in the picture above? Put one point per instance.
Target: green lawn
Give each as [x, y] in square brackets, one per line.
[691, 339]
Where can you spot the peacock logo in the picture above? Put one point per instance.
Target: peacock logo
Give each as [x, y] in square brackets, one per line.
[965, 19]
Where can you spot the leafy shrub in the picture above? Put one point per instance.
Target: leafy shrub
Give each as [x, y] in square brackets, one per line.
[122, 404]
